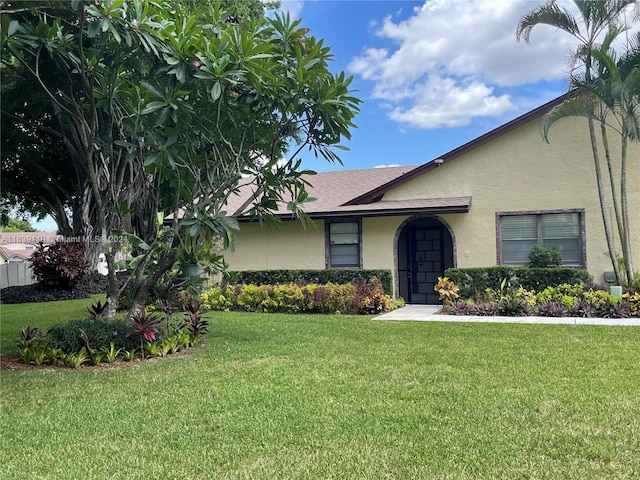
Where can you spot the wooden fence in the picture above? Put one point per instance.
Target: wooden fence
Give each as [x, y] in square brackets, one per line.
[16, 273]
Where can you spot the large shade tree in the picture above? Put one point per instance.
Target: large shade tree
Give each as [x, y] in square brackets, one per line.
[163, 109]
[38, 179]
[596, 17]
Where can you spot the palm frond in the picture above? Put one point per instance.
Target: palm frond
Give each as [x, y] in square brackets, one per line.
[629, 94]
[613, 33]
[580, 106]
[630, 59]
[548, 14]
[600, 14]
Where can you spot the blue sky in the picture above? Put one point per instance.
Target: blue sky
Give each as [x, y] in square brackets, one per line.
[432, 74]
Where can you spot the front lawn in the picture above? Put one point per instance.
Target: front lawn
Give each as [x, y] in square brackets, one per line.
[43, 315]
[274, 396]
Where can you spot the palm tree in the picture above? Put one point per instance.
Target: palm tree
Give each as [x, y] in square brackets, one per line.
[617, 87]
[616, 90]
[596, 16]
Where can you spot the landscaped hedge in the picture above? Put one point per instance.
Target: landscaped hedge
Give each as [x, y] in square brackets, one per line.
[337, 276]
[358, 297]
[473, 280]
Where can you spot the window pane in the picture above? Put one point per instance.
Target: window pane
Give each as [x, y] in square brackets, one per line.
[344, 249]
[519, 227]
[560, 225]
[345, 255]
[344, 238]
[569, 248]
[344, 244]
[520, 232]
[516, 252]
[562, 230]
[351, 227]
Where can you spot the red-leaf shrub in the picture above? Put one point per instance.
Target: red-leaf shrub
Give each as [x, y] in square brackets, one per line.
[59, 265]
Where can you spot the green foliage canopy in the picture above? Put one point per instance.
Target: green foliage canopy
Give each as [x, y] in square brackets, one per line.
[169, 107]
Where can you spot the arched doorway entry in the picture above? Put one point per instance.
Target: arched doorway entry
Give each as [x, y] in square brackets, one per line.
[425, 250]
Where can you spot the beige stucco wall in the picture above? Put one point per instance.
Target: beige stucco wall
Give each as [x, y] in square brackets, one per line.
[377, 241]
[521, 172]
[287, 246]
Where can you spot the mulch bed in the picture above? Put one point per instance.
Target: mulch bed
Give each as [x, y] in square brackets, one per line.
[91, 285]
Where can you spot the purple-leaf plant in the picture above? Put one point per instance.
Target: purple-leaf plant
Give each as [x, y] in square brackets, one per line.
[146, 326]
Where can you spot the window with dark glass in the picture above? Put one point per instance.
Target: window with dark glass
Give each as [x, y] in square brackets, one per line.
[518, 233]
[344, 244]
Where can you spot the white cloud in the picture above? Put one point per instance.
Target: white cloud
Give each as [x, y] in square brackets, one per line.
[442, 65]
[444, 102]
[294, 7]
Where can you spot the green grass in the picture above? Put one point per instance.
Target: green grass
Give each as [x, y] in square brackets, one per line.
[340, 397]
[14, 317]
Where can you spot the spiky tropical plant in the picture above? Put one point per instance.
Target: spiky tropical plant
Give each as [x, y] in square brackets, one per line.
[129, 355]
[74, 360]
[28, 336]
[97, 310]
[146, 326]
[194, 322]
[111, 353]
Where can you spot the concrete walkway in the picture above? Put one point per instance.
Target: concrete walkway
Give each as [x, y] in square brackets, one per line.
[428, 313]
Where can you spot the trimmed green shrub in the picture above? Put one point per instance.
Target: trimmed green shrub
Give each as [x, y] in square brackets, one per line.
[544, 257]
[99, 334]
[334, 275]
[474, 281]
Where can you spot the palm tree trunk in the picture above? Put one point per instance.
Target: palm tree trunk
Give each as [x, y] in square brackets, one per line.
[626, 241]
[603, 204]
[614, 194]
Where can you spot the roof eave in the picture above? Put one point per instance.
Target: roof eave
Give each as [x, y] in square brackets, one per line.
[390, 212]
[393, 212]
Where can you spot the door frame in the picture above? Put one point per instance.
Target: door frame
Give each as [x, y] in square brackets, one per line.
[403, 269]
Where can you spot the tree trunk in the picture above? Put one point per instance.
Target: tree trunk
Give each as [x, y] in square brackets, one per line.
[141, 293]
[626, 241]
[614, 195]
[603, 204]
[113, 290]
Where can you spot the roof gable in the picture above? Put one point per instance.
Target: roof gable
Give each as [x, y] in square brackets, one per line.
[376, 193]
[360, 192]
